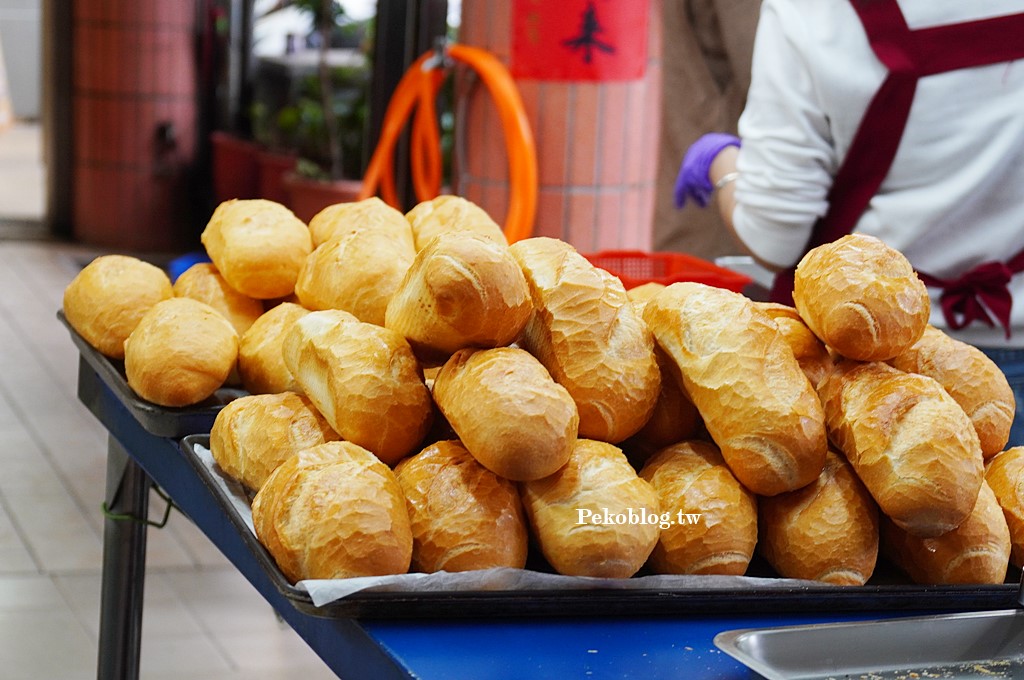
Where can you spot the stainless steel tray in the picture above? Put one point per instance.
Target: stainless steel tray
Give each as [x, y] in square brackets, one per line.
[988, 644]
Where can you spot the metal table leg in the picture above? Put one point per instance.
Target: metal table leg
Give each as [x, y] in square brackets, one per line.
[124, 566]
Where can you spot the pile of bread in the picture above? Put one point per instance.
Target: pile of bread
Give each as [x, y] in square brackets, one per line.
[425, 396]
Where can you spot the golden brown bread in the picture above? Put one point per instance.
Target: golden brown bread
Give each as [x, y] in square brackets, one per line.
[261, 364]
[508, 412]
[463, 516]
[587, 334]
[446, 214]
[692, 479]
[826, 531]
[203, 282]
[738, 370]
[106, 299]
[462, 290]
[861, 297]
[363, 378]
[258, 246]
[581, 518]
[642, 294]
[254, 434]
[977, 551]
[810, 352]
[1005, 476]
[180, 352]
[674, 418]
[910, 443]
[334, 511]
[971, 378]
[371, 213]
[357, 271]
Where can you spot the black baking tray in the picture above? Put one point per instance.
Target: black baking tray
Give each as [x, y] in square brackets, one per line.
[161, 421]
[798, 597]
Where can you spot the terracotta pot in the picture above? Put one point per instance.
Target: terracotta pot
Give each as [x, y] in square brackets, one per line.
[273, 166]
[236, 171]
[307, 197]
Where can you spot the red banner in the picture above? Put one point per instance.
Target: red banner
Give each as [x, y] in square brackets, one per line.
[579, 39]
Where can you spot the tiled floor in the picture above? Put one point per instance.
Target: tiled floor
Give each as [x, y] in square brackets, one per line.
[202, 620]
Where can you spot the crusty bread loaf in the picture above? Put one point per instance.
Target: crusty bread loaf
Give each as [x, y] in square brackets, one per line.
[254, 434]
[588, 336]
[463, 516]
[461, 291]
[977, 551]
[861, 297]
[180, 352]
[740, 373]
[580, 516]
[971, 378]
[258, 246]
[106, 299]
[642, 294]
[333, 511]
[363, 378]
[910, 443]
[357, 271]
[508, 412]
[1004, 474]
[446, 214]
[826, 531]
[810, 352]
[693, 481]
[203, 282]
[371, 213]
[674, 418]
[261, 364]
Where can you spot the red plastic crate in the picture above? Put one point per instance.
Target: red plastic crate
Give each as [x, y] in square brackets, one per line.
[634, 268]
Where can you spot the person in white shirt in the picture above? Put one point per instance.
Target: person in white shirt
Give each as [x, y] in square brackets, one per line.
[903, 120]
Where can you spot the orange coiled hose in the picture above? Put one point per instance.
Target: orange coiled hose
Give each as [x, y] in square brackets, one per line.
[418, 89]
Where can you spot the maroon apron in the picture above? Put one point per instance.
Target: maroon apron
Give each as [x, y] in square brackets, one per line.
[909, 55]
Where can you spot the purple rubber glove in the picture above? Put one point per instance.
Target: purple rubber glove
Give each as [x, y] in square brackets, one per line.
[693, 180]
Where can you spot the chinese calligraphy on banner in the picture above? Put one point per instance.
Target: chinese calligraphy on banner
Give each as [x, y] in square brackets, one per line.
[579, 39]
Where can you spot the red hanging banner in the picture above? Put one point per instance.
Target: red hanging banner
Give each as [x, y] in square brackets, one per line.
[579, 39]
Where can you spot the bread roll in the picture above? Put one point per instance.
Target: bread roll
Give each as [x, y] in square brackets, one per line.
[1005, 476]
[463, 516]
[978, 551]
[357, 271]
[692, 480]
[363, 378]
[674, 418]
[590, 339]
[910, 443]
[971, 378]
[106, 299]
[372, 214]
[642, 294]
[258, 246]
[595, 516]
[861, 297]
[181, 351]
[254, 434]
[826, 531]
[203, 282]
[333, 511]
[446, 214]
[738, 370]
[508, 412]
[261, 364]
[810, 352]
[461, 291]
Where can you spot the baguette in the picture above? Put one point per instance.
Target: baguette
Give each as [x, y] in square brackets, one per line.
[971, 378]
[203, 282]
[692, 479]
[737, 369]
[261, 364]
[463, 516]
[446, 214]
[587, 334]
[508, 412]
[370, 214]
[1004, 473]
[910, 443]
[861, 297]
[810, 352]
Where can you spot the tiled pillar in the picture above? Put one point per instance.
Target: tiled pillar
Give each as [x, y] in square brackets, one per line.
[134, 125]
[596, 140]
